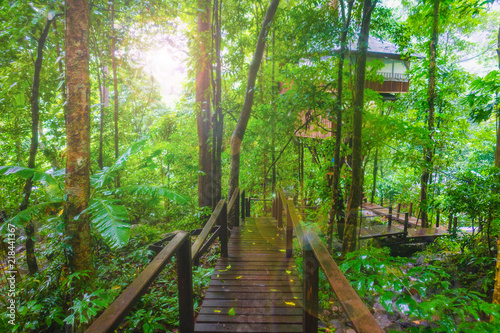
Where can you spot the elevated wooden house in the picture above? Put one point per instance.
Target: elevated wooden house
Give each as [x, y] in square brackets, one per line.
[393, 72]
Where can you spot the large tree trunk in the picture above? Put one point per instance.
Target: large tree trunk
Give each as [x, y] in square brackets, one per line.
[203, 117]
[218, 118]
[349, 242]
[35, 116]
[431, 96]
[115, 84]
[78, 136]
[337, 209]
[239, 132]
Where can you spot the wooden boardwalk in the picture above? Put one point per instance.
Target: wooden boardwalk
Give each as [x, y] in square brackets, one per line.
[393, 230]
[255, 289]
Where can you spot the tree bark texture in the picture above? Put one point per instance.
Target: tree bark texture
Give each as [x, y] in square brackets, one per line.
[218, 118]
[337, 208]
[496, 291]
[497, 149]
[203, 117]
[115, 84]
[431, 96]
[239, 132]
[349, 242]
[78, 135]
[35, 117]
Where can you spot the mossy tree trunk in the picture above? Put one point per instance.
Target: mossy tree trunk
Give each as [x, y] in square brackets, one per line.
[78, 137]
[203, 117]
[337, 208]
[350, 241]
[431, 96]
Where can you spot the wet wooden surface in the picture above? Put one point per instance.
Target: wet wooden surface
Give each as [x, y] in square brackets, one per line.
[396, 230]
[255, 289]
[385, 231]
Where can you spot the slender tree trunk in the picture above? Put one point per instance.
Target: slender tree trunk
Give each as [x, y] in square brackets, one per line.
[239, 132]
[78, 137]
[350, 241]
[496, 291]
[35, 116]
[115, 83]
[337, 209]
[431, 96]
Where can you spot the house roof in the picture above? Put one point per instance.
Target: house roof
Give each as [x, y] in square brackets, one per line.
[378, 47]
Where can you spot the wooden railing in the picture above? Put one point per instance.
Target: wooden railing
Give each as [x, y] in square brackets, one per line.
[316, 255]
[177, 243]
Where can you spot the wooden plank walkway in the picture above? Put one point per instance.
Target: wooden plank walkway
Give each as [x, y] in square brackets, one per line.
[255, 289]
[394, 230]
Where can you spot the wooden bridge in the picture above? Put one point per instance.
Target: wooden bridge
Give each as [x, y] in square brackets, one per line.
[255, 286]
[406, 232]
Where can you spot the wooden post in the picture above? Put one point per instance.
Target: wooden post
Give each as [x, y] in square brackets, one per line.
[243, 205]
[410, 211]
[399, 209]
[438, 213]
[310, 292]
[390, 216]
[237, 210]
[406, 224]
[450, 221]
[455, 224]
[185, 287]
[273, 208]
[223, 233]
[247, 210]
[289, 233]
[280, 212]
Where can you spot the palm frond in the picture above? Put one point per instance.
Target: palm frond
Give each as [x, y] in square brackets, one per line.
[108, 219]
[161, 191]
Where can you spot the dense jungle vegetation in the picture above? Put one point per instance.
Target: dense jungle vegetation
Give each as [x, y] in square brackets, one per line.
[125, 120]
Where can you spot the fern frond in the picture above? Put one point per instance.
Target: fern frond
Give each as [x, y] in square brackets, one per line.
[108, 219]
[151, 190]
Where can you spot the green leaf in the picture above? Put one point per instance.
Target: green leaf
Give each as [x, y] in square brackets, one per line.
[28, 173]
[231, 312]
[109, 219]
[105, 176]
[33, 211]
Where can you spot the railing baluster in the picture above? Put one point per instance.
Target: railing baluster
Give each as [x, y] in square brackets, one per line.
[222, 222]
[237, 210]
[289, 233]
[243, 205]
[185, 287]
[280, 211]
[248, 207]
[390, 215]
[310, 291]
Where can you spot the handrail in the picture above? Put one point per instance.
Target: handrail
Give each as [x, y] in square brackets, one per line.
[116, 312]
[316, 255]
[179, 243]
[200, 240]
